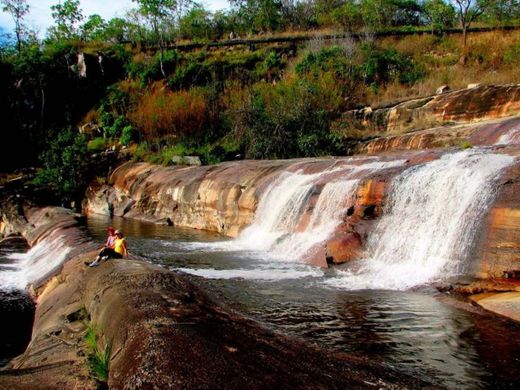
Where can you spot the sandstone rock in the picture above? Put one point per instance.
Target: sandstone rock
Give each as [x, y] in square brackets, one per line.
[186, 160]
[484, 133]
[506, 304]
[500, 251]
[442, 89]
[343, 248]
[482, 102]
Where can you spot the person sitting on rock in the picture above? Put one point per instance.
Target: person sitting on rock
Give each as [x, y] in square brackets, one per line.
[117, 250]
[111, 238]
[108, 244]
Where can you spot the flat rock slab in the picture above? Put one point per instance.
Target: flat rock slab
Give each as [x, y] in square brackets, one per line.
[505, 304]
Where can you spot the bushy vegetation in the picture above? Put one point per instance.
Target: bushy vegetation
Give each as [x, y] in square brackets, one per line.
[65, 166]
[92, 84]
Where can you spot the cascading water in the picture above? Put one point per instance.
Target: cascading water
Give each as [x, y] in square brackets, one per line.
[279, 211]
[428, 230]
[280, 237]
[36, 264]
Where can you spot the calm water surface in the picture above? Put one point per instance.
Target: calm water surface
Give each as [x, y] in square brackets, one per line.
[413, 331]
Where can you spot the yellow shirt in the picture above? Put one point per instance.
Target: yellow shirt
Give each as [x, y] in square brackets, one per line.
[119, 246]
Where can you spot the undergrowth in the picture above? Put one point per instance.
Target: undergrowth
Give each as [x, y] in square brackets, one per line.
[98, 360]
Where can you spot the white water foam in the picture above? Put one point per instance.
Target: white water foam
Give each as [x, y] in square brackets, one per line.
[428, 231]
[34, 265]
[274, 237]
[271, 274]
[512, 137]
[282, 206]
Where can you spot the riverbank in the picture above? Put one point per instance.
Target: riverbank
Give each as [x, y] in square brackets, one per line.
[162, 332]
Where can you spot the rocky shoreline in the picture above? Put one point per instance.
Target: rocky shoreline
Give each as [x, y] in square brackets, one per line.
[163, 332]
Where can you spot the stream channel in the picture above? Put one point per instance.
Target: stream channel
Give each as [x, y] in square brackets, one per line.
[420, 332]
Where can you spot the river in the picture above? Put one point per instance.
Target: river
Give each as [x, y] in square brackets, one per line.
[418, 331]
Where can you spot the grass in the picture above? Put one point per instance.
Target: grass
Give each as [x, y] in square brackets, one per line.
[98, 360]
[465, 144]
[494, 59]
[163, 112]
[97, 144]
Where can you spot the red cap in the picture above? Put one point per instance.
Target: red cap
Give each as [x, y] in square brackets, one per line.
[111, 229]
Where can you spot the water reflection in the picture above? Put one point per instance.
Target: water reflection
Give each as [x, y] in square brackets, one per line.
[413, 331]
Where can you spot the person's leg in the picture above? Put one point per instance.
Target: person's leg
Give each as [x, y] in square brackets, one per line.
[103, 255]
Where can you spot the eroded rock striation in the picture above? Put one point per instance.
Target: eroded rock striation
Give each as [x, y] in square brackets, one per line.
[483, 102]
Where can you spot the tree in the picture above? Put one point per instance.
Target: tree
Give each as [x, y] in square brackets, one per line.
[66, 16]
[65, 167]
[438, 14]
[196, 23]
[258, 14]
[93, 28]
[156, 11]
[300, 14]
[503, 11]
[18, 9]
[348, 16]
[468, 12]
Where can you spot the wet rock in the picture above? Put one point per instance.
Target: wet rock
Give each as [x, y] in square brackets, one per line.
[505, 304]
[166, 333]
[343, 248]
[500, 249]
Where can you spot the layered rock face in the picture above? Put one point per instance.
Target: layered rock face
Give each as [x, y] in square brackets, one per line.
[468, 105]
[225, 198]
[462, 135]
[219, 198]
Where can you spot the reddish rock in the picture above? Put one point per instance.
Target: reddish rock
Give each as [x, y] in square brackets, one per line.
[500, 250]
[484, 102]
[343, 248]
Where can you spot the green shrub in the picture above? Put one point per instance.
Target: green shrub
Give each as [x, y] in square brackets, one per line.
[141, 151]
[152, 71]
[65, 169]
[329, 59]
[189, 74]
[465, 144]
[287, 120]
[97, 145]
[168, 153]
[381, 66]
[128, 135]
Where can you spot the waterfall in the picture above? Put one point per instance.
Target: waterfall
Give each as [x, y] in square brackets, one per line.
[39, 262]
[280, 210]
[428, 228]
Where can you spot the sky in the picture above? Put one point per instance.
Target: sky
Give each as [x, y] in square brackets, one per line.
[39, 18]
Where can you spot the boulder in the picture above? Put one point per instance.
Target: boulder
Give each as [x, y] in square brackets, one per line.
[186, 160]
[343, 248]
[442, 89]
